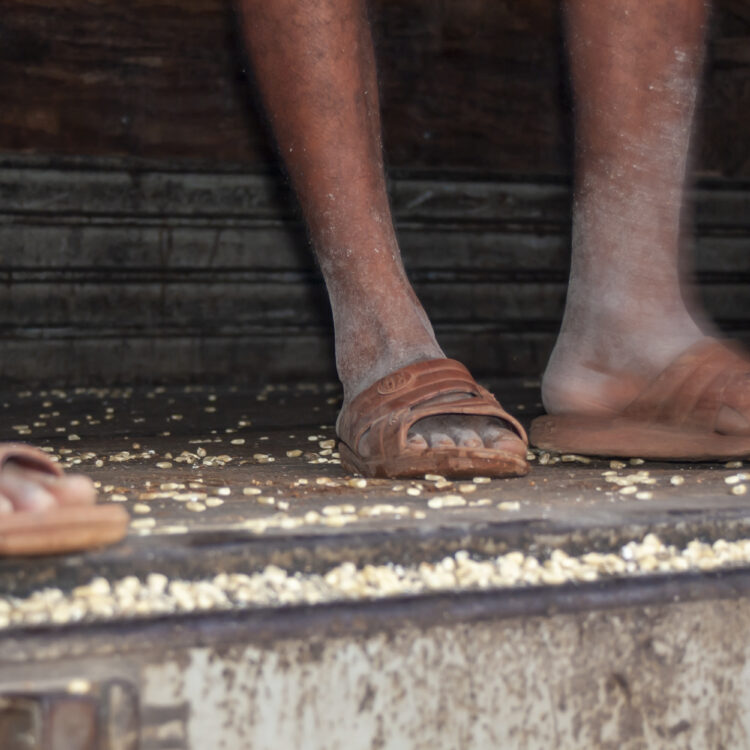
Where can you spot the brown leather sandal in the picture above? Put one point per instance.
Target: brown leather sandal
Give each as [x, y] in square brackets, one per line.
[672, 419]
[387, 409]
[66, 528]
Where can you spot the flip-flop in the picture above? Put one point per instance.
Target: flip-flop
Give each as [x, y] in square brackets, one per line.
[65, 528]
[387, 409]
[674, 418]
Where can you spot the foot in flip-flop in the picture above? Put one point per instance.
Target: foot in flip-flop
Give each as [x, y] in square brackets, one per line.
[43, 511]
[696, 409]
[430, 417]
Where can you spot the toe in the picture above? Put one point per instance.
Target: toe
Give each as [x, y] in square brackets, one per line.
[25, 494]
[730, 421]
[6, 506]
[441, 440]
[73, 489]
[499, 438]
[510, 443]
[416, 441]
[466, 438]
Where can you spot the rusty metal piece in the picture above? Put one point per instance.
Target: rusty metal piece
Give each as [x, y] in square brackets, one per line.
[20, 724]
[69, 723]
[119, 716]
[104, 718]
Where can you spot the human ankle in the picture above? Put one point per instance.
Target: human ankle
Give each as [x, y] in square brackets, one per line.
[368, 351]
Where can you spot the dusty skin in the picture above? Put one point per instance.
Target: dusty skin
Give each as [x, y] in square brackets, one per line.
[24, 489]
[635, 68]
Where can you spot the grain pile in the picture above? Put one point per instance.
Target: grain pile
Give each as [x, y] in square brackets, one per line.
[131, 597]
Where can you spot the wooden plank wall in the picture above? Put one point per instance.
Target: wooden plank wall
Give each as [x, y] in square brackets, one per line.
[466, 84]
[116, 275]
[146, 236]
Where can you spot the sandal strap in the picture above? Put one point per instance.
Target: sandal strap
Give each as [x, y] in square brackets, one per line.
[394, 403]
[691, 391]
[28, 457]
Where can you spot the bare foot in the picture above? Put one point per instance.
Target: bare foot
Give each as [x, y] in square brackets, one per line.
[600, 372]
[430, 417]
[367, 351]
[44, 512]
[390, 331]
[28, 490]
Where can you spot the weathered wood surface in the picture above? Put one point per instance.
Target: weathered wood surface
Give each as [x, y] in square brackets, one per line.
[466, 85]
[129, 275]
[375, 592]
[568, 505]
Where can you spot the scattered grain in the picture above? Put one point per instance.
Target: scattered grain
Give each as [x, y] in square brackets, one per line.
[78, 686]
[509, 505]
[143, 523]
[195, 506]
[446, 501]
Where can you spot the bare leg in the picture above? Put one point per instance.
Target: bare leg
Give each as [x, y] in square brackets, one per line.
[635, 69]
[315, 66]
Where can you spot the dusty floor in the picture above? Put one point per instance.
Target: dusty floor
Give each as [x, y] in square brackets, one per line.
[226, 480]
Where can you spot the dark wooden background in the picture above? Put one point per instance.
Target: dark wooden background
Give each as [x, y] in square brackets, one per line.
[146, 233]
